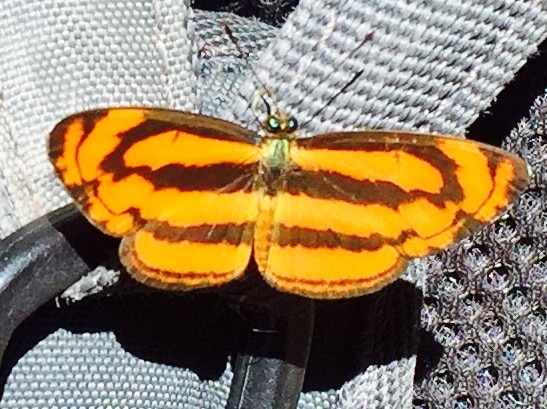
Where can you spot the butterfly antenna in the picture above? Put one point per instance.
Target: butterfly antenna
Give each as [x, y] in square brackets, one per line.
[268, 108]
[365, 40]
[329, 101]
[243, 55]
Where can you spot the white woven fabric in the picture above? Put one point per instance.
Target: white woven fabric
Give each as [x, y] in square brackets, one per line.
[430, 65]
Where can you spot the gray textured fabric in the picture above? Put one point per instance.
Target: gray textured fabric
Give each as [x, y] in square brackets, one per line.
[430, 66]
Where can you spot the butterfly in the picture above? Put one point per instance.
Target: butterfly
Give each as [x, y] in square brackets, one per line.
[336, 215]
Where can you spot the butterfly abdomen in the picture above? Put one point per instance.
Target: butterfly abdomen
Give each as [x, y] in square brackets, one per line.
[273, 168]
[264, 230]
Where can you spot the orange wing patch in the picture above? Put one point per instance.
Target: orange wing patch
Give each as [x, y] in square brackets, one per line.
[178, 187]
[370, 201]
[332, 216]
[185, 258]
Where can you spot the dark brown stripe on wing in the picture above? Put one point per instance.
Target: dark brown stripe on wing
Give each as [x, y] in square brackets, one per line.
[90, 119]
[311, 238]
[292, 236]
[59, 133]
[220, 233]
[224, 177]
[520, 176]
[56, 141]
[331, 185]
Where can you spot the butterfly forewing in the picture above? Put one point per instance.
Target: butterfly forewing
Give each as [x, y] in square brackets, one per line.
[177, 186]
[358, 205]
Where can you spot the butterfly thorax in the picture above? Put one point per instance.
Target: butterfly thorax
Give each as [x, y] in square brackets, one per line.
[275, 163]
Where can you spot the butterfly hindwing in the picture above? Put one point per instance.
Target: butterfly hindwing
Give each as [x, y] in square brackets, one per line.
[177, 186]
[190, 257]
[358, 205]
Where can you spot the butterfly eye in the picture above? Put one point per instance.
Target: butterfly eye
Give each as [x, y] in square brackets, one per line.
[273, 124]
[292, 124]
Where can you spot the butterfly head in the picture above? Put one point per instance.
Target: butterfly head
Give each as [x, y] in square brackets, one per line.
[281, 126]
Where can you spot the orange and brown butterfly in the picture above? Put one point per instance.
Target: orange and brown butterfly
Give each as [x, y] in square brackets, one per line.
[331, 216]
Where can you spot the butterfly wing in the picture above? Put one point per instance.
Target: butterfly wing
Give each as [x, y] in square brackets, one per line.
[358, 205]
[176, 186]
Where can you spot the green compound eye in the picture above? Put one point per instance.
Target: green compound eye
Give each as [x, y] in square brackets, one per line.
[292, 124]
[273, 124]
